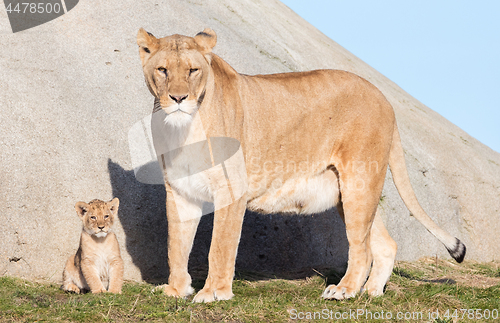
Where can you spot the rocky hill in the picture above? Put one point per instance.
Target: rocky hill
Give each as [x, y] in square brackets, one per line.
[73, 88]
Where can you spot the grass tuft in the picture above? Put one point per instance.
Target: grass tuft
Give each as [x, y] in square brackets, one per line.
[430, 290]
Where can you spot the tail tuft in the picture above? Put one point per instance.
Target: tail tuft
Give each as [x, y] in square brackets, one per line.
[458, 252]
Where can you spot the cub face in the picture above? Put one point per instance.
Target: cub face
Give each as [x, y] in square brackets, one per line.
[176, 69]
[97, 216]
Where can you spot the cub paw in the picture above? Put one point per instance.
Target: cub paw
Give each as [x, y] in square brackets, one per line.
[173, 292]
[72, 288]
[338, 292]
[207, 295]
[98, 291]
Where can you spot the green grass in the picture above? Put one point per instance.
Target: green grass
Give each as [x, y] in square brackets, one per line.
[417, 290]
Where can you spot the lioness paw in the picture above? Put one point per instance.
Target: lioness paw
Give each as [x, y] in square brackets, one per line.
[171, 291]
[206, 295]
[338, 292]
[374, 289]
[98, 291]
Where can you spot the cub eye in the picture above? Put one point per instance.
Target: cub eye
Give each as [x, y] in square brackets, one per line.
[193, 70]
[106, 217]
[162, 70]
[93, 218]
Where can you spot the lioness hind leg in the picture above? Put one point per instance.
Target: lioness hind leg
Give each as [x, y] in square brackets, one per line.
[360, 192]
[357, 217]
[383, 249]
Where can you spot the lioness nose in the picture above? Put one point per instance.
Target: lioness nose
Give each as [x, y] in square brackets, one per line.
[100, 228]
[178, 98]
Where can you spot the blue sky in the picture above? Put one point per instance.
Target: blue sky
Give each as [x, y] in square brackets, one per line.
[444, 53]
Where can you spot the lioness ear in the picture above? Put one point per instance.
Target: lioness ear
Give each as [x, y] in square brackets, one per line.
[81, 209]
[113, 205]
[206, 40]
[147, 44]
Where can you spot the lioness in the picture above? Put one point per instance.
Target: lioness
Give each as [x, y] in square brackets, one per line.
[97, 264]
[302, 140]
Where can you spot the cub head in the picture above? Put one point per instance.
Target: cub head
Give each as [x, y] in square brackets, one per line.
[97, 216]
[176, 69]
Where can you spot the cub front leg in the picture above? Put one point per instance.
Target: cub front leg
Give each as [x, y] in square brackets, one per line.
[222, 256]
[183, 218]
[92, 276]
[116, 276]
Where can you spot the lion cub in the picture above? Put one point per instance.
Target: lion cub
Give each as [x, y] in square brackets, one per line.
[97, 264]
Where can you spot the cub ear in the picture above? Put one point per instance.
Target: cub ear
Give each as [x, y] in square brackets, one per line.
[206, 40]
[81, 209]
[147, 44]
[113, 205]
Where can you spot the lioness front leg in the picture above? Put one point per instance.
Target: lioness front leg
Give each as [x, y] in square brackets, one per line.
[222, 256]
[183, 219]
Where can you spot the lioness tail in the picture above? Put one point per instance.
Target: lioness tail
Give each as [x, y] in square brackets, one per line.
[401, 179]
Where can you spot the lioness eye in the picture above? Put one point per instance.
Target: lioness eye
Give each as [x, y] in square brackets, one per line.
[93, 217]
[106, 216]
[163, 70]
[193, 70]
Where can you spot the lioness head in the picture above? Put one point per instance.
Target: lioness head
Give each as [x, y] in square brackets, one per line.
[97, 216]
[176, 69]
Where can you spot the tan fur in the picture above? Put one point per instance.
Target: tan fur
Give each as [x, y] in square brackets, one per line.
[310, 141]
[97, 265]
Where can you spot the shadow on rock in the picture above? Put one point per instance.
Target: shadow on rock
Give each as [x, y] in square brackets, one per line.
[291, 246]
[142, 216]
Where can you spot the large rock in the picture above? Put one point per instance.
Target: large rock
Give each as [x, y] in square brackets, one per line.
[71, 90]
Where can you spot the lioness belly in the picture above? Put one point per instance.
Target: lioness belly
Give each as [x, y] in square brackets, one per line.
[304, 195]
